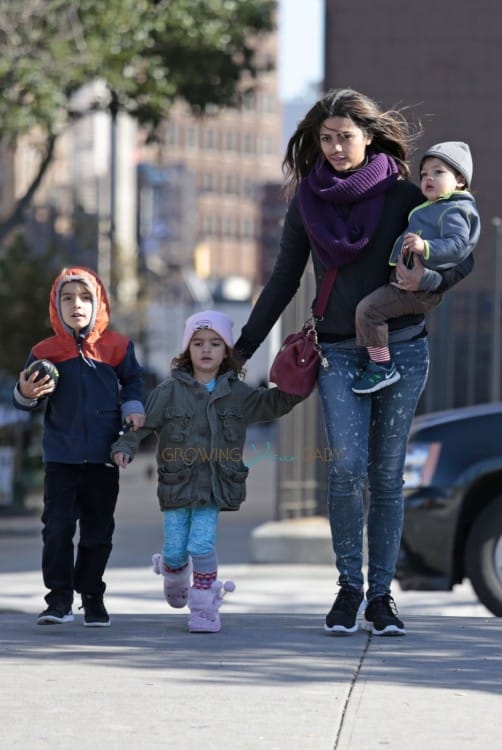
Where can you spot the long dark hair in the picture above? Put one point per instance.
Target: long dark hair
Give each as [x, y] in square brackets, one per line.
[391, 133]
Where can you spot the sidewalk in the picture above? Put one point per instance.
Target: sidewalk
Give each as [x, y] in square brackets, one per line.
[272, 679]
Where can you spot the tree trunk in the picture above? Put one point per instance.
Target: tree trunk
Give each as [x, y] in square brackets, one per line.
[17, 216]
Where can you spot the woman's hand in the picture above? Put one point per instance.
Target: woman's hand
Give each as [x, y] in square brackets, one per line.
[408, 279]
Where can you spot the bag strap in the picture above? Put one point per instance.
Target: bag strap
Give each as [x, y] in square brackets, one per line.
[321, 301]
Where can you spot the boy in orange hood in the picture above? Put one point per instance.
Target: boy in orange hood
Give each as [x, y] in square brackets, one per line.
[100, 386]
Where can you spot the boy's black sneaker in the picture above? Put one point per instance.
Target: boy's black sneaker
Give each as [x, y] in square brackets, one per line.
[381, 613]
[95, 614]
[342, 617]
[55, 614]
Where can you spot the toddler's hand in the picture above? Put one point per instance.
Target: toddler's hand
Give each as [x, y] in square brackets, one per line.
[413, 243]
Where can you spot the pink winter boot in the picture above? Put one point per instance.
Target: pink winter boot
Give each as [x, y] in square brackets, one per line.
[176, 585]
[204, 604]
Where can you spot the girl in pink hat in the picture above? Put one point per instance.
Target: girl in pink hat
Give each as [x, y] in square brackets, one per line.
[200, 415]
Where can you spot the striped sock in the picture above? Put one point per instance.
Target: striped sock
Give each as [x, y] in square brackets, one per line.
[203, 580]
[379, 354]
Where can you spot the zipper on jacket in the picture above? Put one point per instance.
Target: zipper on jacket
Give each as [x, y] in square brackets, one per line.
[80, 342]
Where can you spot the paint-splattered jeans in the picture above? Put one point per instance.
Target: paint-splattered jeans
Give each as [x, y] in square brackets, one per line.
[367, 436]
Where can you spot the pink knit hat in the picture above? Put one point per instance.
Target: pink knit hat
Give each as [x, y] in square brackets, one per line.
[208, 319]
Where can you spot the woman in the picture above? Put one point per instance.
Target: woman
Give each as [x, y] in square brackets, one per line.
[347, 172]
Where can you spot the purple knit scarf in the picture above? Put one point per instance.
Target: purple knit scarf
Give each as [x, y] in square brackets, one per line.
[341, 215]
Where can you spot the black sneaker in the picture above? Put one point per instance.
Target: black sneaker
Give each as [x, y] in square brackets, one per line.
[342, 617]
[55, 614]
[95, 614]
[381, 613]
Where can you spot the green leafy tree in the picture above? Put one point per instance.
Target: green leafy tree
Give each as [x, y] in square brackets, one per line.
[146, 54]
[25, 283]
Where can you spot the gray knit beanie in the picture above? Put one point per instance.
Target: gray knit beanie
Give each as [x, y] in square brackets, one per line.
[454, 153]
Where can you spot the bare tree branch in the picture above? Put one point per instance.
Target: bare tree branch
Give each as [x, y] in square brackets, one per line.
[16, 217]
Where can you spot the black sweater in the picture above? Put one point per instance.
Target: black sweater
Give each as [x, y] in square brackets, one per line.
[353, 281]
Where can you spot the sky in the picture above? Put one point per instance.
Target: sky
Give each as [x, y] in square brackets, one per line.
[301, 44]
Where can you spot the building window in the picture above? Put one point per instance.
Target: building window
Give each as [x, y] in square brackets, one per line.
[210, 183]
[268, 104]
[248, 188]
[230, 141]
[229, 226]
[210, 139]
[247, 229]
[249, 143]
[231, 184]
[171, 131]
[268, 145]
[210, 226]
[191, 137]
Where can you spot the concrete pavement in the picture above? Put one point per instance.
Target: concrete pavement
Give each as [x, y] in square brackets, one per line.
[271, 679]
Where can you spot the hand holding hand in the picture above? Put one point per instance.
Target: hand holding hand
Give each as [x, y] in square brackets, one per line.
[121, 459]
[136, 421]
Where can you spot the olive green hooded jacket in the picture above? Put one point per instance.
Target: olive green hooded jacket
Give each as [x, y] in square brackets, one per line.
[201, 436]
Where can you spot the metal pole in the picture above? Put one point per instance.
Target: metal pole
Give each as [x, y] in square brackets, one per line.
[496, 327]
[472, 325]
[112, 260]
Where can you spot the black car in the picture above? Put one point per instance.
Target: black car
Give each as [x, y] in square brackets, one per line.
[453, 503]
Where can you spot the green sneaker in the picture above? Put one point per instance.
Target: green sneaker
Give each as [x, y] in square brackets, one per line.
[375, 377]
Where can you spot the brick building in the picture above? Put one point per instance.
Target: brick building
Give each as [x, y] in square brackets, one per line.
[231, 154]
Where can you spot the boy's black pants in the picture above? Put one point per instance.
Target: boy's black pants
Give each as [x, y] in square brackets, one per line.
[86, 493]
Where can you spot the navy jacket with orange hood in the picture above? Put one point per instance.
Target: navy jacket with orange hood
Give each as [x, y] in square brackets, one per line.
[100, 380]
